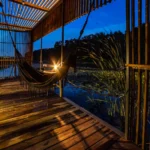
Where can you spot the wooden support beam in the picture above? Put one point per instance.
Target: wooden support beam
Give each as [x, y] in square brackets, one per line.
[27, 19]
[137, 66]
[30, 5]
[132, 101]
[139, 74]
[16, 26]
[62, 47]
[11, 29]
[146, 82]
[127, 69]
[41, 50]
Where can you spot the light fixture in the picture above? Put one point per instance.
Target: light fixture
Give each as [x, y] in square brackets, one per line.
[55, 67]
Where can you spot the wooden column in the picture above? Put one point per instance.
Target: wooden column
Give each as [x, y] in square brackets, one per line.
[62, 47]
[139, 71]
[127, 68]
[15, 55]
[31, 49]
[146, 83]
[132, 102]
[41, 54]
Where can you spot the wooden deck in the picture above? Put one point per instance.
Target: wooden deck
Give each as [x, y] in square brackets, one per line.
[40, 123]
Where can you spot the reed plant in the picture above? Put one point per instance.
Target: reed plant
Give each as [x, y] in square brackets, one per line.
[109, 79]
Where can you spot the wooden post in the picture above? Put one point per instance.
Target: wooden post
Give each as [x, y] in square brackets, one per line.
[132, 102]
[139, 71]
[145, 104]
[127, 69]
[41, 54]
[15, 55]
[62, 47]
[31, 48]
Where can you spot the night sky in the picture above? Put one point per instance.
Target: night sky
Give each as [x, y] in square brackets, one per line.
[111, 17]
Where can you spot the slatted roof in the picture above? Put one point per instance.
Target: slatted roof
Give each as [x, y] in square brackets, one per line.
[43, 16]
[24, 14]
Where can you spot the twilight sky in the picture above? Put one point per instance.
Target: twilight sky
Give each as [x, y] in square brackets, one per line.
[111, 17]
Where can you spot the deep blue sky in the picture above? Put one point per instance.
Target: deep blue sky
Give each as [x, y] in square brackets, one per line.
[108, 18]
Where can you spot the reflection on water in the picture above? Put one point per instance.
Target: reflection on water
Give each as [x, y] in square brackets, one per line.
[8, 72]
[81, 97]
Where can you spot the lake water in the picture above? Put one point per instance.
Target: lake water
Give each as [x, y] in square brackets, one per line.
[81, 97]
[8, 72]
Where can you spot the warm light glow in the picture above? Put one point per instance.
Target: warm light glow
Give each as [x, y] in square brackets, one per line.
[55, 67]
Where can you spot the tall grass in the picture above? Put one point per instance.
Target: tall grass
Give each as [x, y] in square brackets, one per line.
[106, 53]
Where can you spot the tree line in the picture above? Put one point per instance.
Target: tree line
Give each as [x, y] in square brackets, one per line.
[72, 45]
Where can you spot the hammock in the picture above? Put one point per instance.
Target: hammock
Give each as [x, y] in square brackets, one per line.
[38, 79]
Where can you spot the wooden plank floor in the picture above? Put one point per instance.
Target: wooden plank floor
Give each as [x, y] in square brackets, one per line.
[51, 123]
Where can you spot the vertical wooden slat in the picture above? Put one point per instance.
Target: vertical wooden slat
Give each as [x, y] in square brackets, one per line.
[84, 3]
[67, 15]
[145, 106]
[94, 2]
[69, 10]
[97, 3]
[127, 69]
[133, 71]
[139, 72]
[76, 8]
[73, 6]
[87, 6]
[81, 7]
[101, 3]
[66, 11]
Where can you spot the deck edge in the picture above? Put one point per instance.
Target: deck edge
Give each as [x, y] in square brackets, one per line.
[117, 131]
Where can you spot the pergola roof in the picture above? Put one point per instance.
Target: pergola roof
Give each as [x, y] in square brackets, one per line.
[43, 16]
[24, 14]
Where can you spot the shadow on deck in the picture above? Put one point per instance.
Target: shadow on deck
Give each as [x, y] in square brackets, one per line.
[51, 123]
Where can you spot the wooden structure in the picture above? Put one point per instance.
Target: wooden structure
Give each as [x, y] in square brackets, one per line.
[138, 64]
[47, 16]
[44, 17]
[51, 123]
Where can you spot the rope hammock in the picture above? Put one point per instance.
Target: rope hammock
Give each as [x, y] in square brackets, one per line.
[38, 79]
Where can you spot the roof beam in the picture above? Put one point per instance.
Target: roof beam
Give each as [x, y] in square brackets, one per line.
[16, 26]
[27, 19]
[30, 5]
[11, 29]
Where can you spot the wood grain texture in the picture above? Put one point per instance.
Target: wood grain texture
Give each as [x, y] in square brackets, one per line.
[38, 123]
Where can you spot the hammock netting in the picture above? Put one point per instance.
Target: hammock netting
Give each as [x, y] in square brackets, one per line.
[39, 79]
